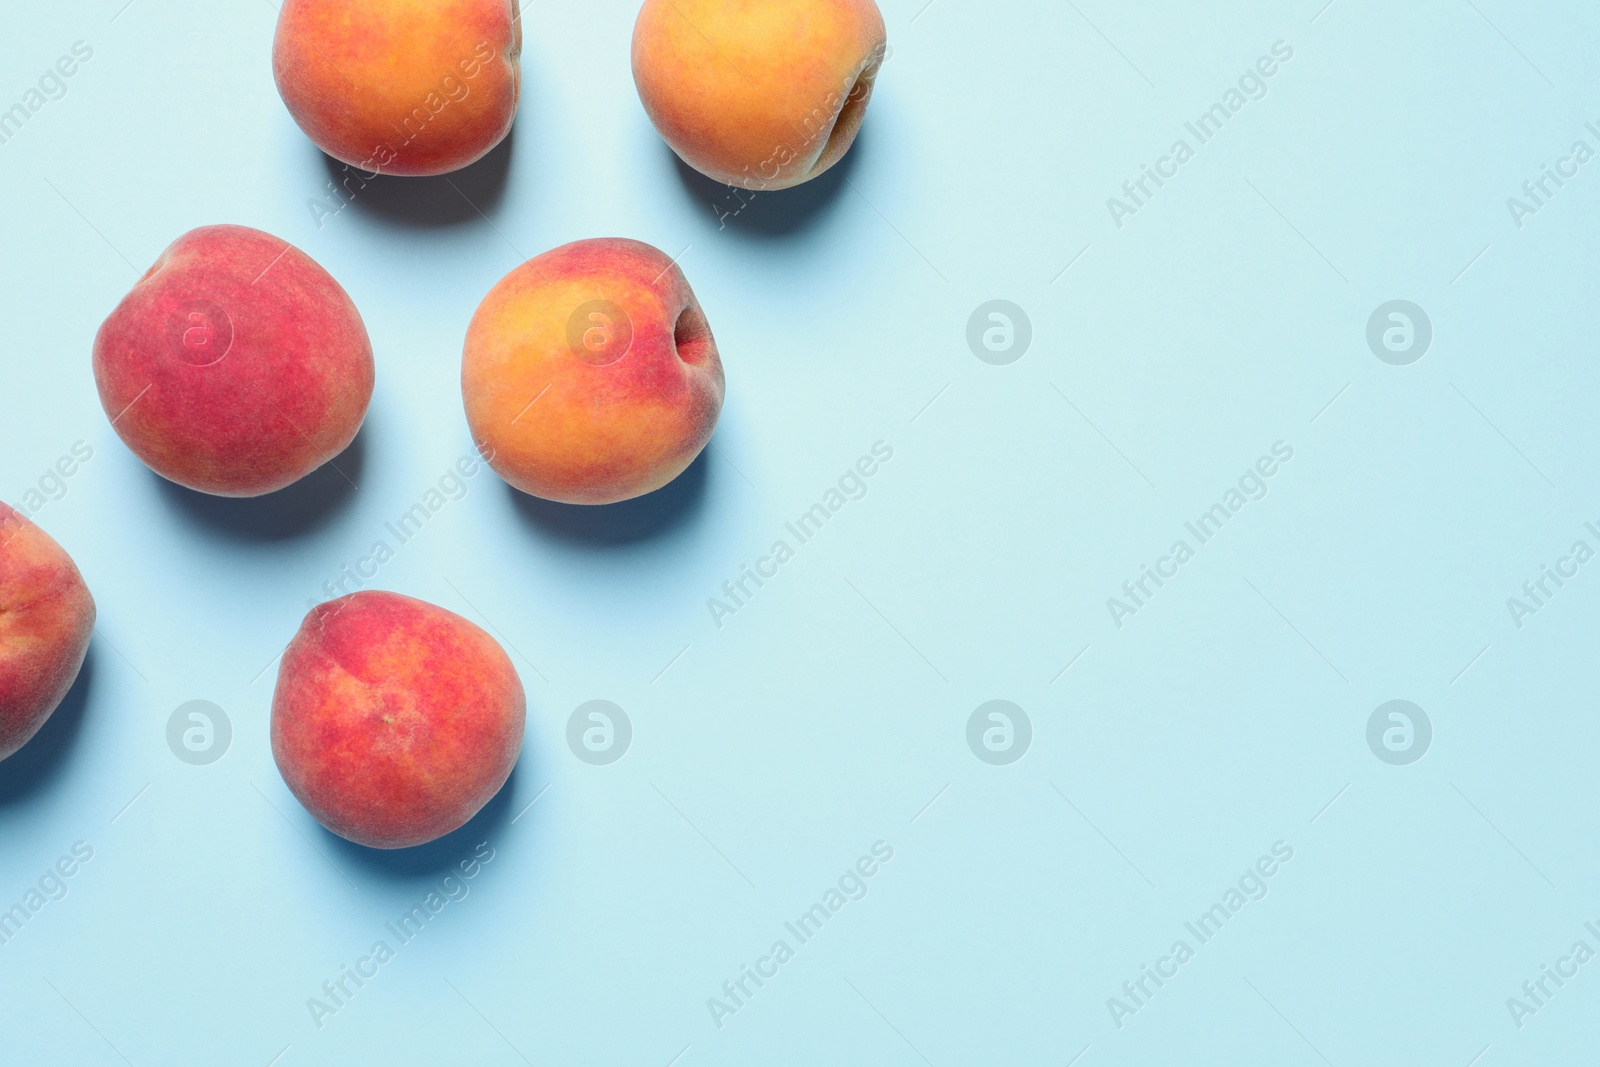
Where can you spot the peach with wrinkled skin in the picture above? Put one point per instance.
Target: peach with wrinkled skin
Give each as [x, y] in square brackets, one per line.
[394, 721]
[590, 375]
[46, 619]
[236, 365]
[407, 87]
[762, 94]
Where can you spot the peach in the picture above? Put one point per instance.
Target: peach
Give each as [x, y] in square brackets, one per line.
[394, 721]
[590, 374]
[46, 618]
[411, 87]
[236, 365]
[763, 94]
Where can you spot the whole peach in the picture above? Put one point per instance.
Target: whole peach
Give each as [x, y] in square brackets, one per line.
[236, 365]
[590, 374]
[411, 87]
[46, 619]
[763, 94]
[394, 721]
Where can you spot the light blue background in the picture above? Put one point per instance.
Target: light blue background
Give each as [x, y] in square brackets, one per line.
[771, 753]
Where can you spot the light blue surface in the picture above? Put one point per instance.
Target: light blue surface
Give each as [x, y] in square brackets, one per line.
[830, 713]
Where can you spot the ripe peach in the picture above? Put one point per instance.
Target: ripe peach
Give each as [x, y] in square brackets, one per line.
[410, 87]
[394, 720]
[590, 374]
[236, 365]
[46, 618]
[763, 94]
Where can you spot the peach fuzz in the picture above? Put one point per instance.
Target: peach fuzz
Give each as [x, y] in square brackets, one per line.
[46, 619]
[236, 365]
[762, 94]
[394, 721]
[408, 87]
[590, 375]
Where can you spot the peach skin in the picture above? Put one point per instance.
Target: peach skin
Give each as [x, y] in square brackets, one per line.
[46, 619]
[590, 374]
[762, 94]
[409, 87]
[394, 721]
[236, 366]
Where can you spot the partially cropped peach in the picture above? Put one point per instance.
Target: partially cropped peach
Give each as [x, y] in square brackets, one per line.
[394, 721]
[236, 366]
[763, 94]
[409, 87]
[590, 374]
[46, 618]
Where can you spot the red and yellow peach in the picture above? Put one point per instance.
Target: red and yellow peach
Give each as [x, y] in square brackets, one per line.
[763, 94]
[236, 365]
[590, 375]
[410, 87]
[394, 721]
[46, 619]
